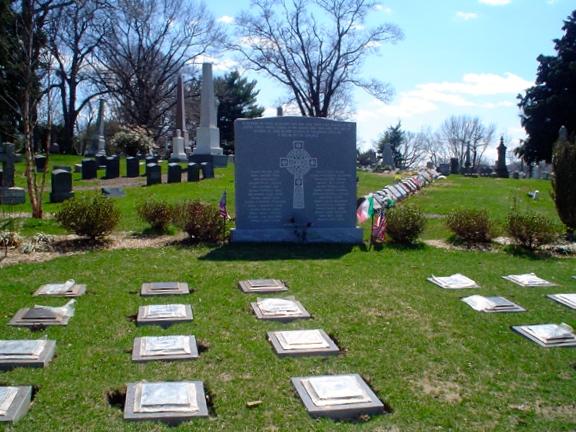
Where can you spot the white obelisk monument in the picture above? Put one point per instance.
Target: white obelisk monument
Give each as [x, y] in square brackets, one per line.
[207, 134]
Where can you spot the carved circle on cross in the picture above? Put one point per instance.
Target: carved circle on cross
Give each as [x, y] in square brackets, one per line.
[298, 161]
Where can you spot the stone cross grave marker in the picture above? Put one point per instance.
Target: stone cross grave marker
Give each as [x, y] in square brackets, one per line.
[298, 162]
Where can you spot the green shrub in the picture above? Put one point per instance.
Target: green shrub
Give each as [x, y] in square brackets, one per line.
[91, 215]
[158, 214]
[202, 222]
[531, 230]
[470, 225]
[405, 224]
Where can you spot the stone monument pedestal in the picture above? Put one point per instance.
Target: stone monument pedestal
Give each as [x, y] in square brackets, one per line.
[295, 235]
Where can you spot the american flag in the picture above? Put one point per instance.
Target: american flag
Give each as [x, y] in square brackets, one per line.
[222, 206]
[379, 227]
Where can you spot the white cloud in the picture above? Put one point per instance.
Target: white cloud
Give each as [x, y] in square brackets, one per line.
[466, 16]
[495, 2]
[381, 8]
[481, 84]
[221, 64]
[225, 19]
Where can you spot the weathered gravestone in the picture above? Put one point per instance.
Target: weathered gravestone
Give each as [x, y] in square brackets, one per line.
[454, 166]
[15, 402]
[295, 180]
[112, 167]
[174, 173]
[193, 172]
[61, 186]
[89, 169]
[8, 193]
[501, 169]
[153, 174]
[132, 166]
[149, 160]
[113, 192]
[40, 161]
[98, 145]
[444, 169]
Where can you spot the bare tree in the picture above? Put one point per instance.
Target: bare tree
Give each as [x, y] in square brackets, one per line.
[74, 34]
[148, 44]
[413, 149]
[313, 47]
[466, 139]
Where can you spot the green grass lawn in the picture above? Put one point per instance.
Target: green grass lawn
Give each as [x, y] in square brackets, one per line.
[438, 364]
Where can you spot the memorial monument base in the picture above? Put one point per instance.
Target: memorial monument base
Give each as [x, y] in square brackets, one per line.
[12, 196]
[217, 161]
[293, 235]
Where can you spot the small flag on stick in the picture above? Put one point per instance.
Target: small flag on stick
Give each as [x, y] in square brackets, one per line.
[222, 207]
[365, 209]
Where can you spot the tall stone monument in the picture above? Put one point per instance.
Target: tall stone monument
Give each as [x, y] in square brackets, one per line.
[501, 169]
[295, 180]
[181, 114]
[98, 145]
[388, 156]
[207, 134]
[178, 149]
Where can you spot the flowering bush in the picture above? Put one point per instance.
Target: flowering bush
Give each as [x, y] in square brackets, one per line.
[132, 139]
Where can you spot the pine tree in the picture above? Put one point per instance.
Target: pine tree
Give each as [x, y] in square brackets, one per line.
[551, 103]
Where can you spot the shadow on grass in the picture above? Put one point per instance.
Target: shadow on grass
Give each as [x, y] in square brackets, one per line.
[520, 252]
[276, 251]
[401, 247]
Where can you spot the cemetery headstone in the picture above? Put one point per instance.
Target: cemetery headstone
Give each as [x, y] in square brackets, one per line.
[193, 172]
[444, 169]
[149, 160]
[207, 170]
[40, 161]
[388, 156]
[15, 402]
[181, 115]
[178, 151]
[279, 309]
[66, 289]
[62, 167]
[61, 186]
[295, 343]
[164, 288]
[174, 173]
[166, 348]
[89, 169]
[132, 166]
[98, 144]
[101, 160]
[454, 166]
[153, 174]
[262, 286]
[8, 193]
[112, 167]
[113, 192]
[295, 180]
[26, 353]
[164, 315]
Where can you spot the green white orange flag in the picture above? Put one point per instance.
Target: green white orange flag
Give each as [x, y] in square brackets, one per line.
[365, 209]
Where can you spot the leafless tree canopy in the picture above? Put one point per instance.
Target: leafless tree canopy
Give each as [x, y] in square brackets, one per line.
[313, 47]
[457, 133]
[146, 48]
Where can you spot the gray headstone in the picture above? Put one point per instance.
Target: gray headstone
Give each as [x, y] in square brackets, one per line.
[174, 173]
[132, 166]
[113, 192]
[61, 186]
[295, 180]
[26, 353]
[89, 169]
[112, 167]
[193, 172]
[207, 170]
[12, 196]
[388, 156]
[19, 405]
[8, 159]
[444, 169]
[454, 166]
[153, 174]
[563, 133]
[149, 160]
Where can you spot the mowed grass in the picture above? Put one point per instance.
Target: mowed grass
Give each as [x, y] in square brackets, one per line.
[438, 364]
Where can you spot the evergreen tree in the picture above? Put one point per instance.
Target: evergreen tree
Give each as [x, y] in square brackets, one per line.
[563, 189]
[551, 103]
[237, 99]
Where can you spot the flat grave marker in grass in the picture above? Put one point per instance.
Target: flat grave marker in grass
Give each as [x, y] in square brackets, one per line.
[43, 316]
[165, 348]
[279, 309]
[455, 281]
[337, 396]
[262, 286]
[164, 288]
[302, 343]
[565, 299]
[26, 353]
[14, 402]
[164, 315]
[528, 280]
[548, 335]
[66, 289]
[169, 402]
[492, 304]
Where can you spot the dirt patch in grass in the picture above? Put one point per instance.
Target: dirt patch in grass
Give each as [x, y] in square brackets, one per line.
[445, 391]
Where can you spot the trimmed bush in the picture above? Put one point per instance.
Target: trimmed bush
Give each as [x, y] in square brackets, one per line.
[405, 224]
[202, 222]
[531, 230]
[91, 215]
[471, 225]
[158, 214]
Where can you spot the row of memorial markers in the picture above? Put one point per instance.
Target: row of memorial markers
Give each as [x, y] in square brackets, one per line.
[334, 396]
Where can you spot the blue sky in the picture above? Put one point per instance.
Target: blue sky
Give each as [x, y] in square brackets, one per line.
[458, 57]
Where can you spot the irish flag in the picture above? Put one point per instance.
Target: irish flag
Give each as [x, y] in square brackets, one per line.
[365, 209]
